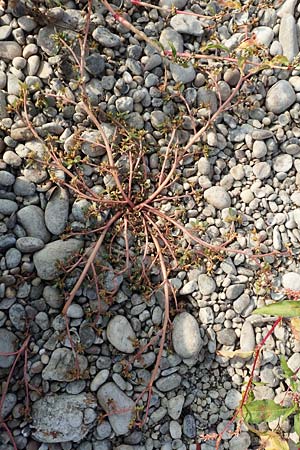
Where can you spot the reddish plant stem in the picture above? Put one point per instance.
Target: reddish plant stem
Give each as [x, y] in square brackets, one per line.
[246, 393]
[90, 261]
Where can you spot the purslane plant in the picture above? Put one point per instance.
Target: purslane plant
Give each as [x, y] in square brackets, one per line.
[150, 239]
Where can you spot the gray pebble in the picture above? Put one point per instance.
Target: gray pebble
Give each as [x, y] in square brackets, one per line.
[186, 337]
[6, 178]
[32, 220]
[12, 258]
[226, 336]
[120, 334]
[218, 197]
[106, 38]
[170, 383]
[280, 97]
[7, 207]
[29, 244]
[57, 211]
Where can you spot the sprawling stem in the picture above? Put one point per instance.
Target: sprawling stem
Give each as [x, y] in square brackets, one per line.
[90, 261]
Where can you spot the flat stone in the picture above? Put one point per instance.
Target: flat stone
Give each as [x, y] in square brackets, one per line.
[226, 336]
[169, 383]
[175, 405]
[62, 367]
[280, 97]
[5, 31]
[247, 338]
[262, 170]
[206, 284]
[10, 401]
[7, 207]
[112, 400]
[288, 37]
[46, 260]
[186, 337]
[291, 280]
[184, 74]
[57, 211]
[29, 244]
[288, 7]
[32, 220]
[21, 134]
[169, 35]
[264, 35]
[189, 426]
[218, 197]
[283, 163]
[106, 38]
[8, 344]
[187, 24]
[10, 50]
[99, 379]
[120, 334]
[60, 418]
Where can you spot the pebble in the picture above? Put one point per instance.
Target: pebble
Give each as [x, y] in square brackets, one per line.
[189, 426]
[226, 336]
[282, 163]
[175, 405]
[46, 260]
[6, 178]
[28, 244]
[264, 35]
[288, 37]
[57, 211]
[262, 170]
[99, 379]
[184, 74]
[10, 50]
[60, 418]
[186, 337]
[187, 24]
[111, 399]
[259, 149]
[106, 38]
[121, 335]
[280, 97]
[218, 197]
[8, 344]
[7, 207]
[33, 221]
[61, 366]
[291, 280]
[167, 384]
[168, 35]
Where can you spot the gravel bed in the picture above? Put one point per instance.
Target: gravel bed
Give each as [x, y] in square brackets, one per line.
[245, 176]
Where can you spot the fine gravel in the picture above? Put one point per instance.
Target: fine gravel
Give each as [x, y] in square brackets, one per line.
[245, 176]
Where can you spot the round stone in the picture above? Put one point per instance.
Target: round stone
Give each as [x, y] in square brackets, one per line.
[283, 163]
[262, 170]
[218, 197]
[186, 337]
[121, 335]
[291, 280]
[206, 284]
[280, 97]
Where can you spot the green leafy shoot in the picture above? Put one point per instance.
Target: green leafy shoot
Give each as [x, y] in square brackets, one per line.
[286, 308]
[258, 411]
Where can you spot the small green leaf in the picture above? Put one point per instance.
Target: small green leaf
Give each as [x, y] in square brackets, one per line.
[173, 49]
[279, 60]
[297, 423]
[215, 47]
[265, 411]
[287, 308]
[286, 370]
